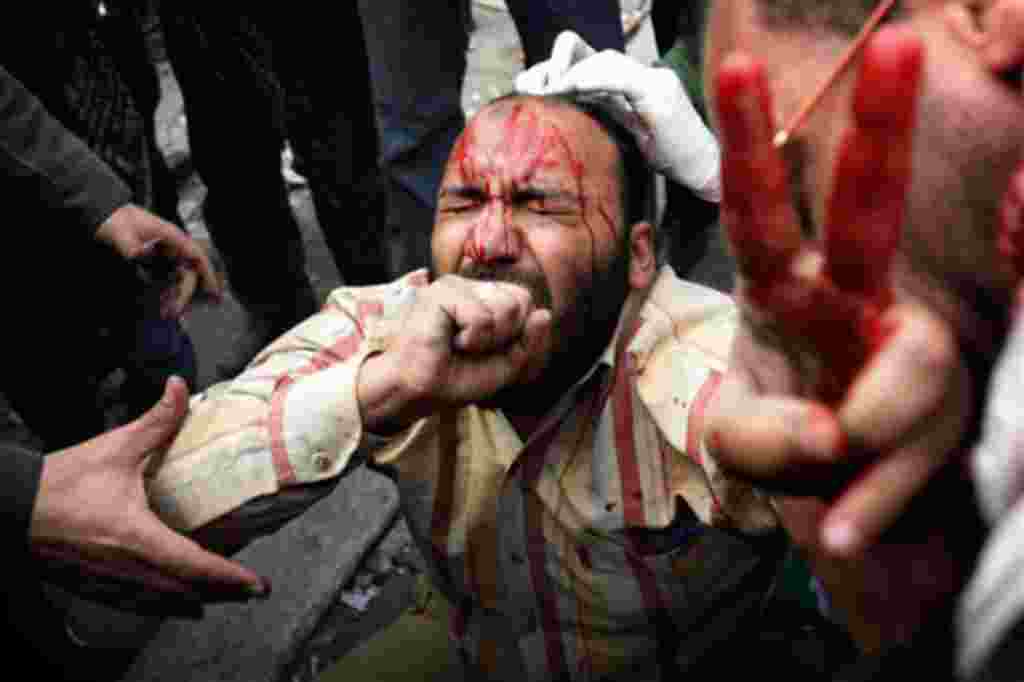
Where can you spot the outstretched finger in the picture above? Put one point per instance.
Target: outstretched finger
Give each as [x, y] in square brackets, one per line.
[213, 576]
[779, 443]
[888, 485]
[160, 424]
[921, 352]
[195, 258]
[867, 203]
[569, 49]
[757, 211]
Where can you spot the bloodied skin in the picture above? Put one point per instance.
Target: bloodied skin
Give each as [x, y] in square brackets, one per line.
[831, 298]
[516, 183]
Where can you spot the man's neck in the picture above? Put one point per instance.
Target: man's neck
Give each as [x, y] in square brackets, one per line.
[526, 406]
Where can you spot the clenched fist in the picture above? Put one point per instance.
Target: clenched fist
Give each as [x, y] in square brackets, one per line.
[462, 342]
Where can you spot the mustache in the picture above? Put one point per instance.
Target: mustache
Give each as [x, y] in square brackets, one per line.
[534, 282]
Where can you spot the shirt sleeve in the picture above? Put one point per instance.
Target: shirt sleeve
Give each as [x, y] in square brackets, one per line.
[291, 419]
[20, 470]
[47, 166]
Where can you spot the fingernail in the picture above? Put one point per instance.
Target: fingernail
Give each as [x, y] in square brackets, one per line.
[167, 400]
[841, 537]
[262, 589]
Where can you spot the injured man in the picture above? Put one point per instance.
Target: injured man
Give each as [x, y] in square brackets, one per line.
[538, 397]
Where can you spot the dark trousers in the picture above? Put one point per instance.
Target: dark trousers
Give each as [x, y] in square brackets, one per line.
[252, 76]
[82, 311]
[417, 53]
[540, 21]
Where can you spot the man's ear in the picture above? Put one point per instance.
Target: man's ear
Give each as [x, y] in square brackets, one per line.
[992, 28]
[643, 259]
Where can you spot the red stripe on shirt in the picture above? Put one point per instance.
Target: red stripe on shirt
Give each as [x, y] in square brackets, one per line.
[367, 309]
[633, 507]
[532, 463]
[339, 351]
[625, 446]
[278, 452]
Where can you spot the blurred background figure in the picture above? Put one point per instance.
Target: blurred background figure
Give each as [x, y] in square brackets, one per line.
[253, 77]
[88, 64]
[417, 57]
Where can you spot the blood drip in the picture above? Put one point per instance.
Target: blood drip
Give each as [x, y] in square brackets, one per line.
[839, 311]
[526, 148]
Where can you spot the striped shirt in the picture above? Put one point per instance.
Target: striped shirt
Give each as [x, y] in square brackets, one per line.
[608, 544]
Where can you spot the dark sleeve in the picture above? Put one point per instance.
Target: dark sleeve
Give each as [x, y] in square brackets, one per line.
[20, 470]
[45, 166]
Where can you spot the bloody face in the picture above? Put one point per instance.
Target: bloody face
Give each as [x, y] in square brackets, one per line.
[531, 194]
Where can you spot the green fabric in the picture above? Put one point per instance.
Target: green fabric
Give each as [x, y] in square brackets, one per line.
[796, 582]
[678, 59]
[415, 647]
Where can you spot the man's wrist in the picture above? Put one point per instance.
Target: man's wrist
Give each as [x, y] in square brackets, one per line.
[385, 404]
[109, 230]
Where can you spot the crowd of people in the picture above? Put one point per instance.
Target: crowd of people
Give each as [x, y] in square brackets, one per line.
[605, 464]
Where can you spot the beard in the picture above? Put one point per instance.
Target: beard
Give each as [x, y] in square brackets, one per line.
[579, 335]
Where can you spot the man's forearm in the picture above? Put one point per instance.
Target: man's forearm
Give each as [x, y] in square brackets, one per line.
[46, 166]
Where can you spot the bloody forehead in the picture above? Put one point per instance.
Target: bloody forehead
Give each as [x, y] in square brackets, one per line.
[515, 141]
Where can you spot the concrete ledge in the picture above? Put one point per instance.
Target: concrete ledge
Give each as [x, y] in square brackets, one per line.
[307, 562]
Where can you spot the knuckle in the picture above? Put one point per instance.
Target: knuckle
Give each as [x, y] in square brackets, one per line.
[932, 349]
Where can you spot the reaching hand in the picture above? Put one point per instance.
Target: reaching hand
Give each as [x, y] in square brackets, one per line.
[650, 101]
[134, 233]
[836, 390]
[92, 528]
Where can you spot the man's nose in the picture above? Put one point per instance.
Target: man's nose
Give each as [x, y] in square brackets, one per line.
[495, 236]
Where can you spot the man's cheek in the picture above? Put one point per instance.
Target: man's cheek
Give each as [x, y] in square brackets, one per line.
[447, 245]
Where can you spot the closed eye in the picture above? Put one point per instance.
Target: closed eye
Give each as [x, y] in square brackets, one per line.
[459, 199]
[547, 203]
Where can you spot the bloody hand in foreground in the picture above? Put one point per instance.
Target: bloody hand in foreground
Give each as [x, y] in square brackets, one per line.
[840, 390]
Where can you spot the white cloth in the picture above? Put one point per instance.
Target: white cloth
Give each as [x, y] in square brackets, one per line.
[994, 599]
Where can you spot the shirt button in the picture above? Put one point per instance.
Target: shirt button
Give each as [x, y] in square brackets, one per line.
[321, 461]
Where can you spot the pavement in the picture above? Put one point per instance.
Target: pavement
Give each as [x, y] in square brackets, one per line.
[347, 567]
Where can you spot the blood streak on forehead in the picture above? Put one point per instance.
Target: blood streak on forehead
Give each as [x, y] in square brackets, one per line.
[509, 142]
[529, 141]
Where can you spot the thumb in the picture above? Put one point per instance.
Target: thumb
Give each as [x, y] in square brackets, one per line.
[568, 49]
[536, 340]
[162, 421]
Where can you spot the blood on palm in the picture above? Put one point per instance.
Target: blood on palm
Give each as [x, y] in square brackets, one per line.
[839, 310]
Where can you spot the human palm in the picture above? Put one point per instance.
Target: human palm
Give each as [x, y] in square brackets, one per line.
[839, 389]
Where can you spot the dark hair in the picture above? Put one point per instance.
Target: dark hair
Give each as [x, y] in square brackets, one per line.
[636, 177]
[843, 17]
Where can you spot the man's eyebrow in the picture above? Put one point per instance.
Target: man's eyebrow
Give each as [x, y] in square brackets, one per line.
[521, 193]
[535, 192]
[466, 191]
